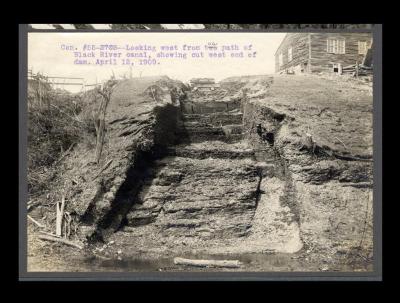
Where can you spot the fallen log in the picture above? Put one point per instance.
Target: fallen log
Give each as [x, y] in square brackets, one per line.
[61, 240]
[207, 263]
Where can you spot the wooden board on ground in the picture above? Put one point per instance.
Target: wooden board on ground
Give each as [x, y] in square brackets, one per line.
[208, 263]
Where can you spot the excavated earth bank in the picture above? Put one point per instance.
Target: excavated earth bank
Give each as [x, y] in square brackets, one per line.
[274, 171]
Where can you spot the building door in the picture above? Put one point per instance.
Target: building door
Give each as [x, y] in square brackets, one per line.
[304, 67]
[337, 68]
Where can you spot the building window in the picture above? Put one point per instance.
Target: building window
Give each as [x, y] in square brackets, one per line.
[290, 54]
[362, 47]
[335, 46]
[280, 59]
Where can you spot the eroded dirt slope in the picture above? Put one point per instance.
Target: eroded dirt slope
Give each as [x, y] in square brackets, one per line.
[321, 129]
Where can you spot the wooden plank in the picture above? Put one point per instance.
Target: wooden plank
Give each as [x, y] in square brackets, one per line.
[208, 263]
[59, 215]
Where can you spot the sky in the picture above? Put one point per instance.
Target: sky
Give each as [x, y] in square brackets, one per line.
[46, 56]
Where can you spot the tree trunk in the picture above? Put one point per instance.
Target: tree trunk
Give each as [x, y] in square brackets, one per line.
[101, 116]
[100, 140]
[100, 128]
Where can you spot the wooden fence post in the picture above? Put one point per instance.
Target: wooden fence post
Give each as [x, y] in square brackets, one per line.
[39, 92]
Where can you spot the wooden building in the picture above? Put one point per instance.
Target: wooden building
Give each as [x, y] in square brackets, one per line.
[321, 52]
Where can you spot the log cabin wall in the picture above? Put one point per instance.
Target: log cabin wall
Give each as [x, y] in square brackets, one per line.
[322, 61]
[300, 51]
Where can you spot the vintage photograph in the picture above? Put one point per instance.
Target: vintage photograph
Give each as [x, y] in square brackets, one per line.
[200, 151]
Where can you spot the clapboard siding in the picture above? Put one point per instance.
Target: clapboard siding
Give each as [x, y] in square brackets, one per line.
[311, 48]
[300, 51]
[321, 60]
